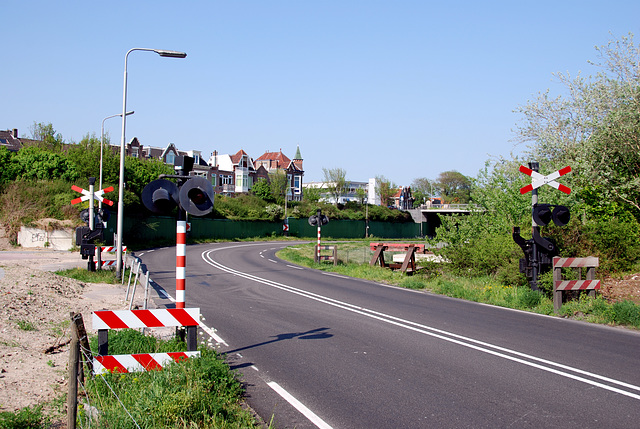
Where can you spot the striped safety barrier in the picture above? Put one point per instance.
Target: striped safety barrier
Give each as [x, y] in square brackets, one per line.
[104, 320]
[560, 285]
[155, 318]
[138, 362]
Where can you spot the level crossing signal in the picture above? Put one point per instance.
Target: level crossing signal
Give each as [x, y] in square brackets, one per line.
[195, 196]
[318, 220]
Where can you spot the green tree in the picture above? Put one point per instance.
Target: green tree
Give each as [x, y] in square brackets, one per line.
[454, 187]
[385, 189]
[45, 137]
[34, 163]
[279, 183]
[262, 189]
[7, 166]
[85, 156]
[336, 182]
[422, 189]
[311, 195]
[594, 127]
[138, 173]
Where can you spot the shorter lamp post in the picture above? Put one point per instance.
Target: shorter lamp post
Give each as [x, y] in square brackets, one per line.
[102, 145]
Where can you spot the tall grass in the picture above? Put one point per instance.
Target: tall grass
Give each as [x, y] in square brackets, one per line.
[198, 392]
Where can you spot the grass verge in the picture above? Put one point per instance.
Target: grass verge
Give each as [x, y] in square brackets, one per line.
[479, 289]
[198, 392]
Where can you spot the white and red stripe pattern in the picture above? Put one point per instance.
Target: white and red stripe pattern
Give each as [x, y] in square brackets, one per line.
[156, 318]
[106, 263]
[577, 285]
[138, 362]
[319, 230]
[590, 261]
[111, 248]
[539, 180]
[181, 262]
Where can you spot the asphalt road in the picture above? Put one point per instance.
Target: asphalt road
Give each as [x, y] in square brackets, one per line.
[321, 350]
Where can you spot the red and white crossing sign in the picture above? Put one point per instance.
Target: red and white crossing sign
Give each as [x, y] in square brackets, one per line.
[539, 180]
[86, 195]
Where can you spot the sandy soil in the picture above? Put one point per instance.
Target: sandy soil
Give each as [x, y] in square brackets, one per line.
[34, 322]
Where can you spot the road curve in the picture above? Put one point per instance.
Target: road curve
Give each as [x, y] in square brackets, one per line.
[321, 350]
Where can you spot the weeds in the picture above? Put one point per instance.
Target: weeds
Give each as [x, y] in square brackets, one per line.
[25, 325]
[25, 418]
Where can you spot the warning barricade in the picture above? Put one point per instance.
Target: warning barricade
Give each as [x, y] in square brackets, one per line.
[560, 285]
[105, 320]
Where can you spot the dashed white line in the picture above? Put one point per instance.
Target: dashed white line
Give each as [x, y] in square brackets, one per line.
[295, 267]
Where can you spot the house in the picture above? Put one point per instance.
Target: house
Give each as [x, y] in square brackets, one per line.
[354, 191]
[10, 140]
[229, 174]
[277, 161]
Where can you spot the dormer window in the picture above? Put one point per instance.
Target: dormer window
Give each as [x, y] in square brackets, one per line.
[171, 158]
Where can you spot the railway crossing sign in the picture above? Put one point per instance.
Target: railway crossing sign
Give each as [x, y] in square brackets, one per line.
[86, 195]
[539, 180]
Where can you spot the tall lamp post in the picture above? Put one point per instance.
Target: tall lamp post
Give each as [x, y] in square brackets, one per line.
[162, 53]
[102, 144]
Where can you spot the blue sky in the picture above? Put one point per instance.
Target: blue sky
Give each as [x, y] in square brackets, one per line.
[403, 89]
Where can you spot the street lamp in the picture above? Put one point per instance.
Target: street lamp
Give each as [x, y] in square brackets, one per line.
[102, 144]
[162, 53]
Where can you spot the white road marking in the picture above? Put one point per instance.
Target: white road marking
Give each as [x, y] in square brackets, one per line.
[313, 418]
[295, 267]
[502, 352]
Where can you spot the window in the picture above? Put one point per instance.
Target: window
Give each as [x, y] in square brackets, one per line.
[171, 158]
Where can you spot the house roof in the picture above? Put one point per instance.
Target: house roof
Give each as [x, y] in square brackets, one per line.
[235, 158]
[8, 140]
[281, 159]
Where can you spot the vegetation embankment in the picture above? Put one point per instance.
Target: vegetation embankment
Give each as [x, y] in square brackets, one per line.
[443, 278]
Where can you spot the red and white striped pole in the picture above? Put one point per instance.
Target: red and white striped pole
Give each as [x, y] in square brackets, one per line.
[181, 258]
[318, 247]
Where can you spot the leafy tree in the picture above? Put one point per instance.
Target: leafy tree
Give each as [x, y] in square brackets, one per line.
[279, 183]
[385, 189]
[7, 166]
[454, 187]
[335, 182]
[45, 137]
[34, 163]
[85, 156]
[262, 189]
[422, 189]
[361, 194]
[594, 127]
[312, 195]
[138, 173]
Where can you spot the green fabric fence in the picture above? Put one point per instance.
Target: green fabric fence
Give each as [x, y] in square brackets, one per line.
[152, 228]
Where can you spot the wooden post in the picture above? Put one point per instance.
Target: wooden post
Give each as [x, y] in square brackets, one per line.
[557, 294]
[72, 394]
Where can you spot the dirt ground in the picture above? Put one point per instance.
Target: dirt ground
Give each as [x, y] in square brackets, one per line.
[34, 322]
[34, 328]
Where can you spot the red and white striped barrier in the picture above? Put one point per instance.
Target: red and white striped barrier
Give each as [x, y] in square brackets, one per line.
[138, 362]
[560, 285]
[590, 261]
[578, 285]
[111, 249]
[156, 318]
[106, 263]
